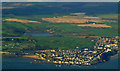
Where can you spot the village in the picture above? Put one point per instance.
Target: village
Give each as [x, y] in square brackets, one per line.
[104, 46]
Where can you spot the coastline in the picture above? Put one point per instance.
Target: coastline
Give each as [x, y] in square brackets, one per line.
[116, 55]
[37, 57]
[32, 57]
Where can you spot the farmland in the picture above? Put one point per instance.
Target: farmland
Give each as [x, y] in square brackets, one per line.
[70, 25]
[78, 18]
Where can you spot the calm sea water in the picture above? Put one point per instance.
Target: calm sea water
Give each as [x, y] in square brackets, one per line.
[25, 63]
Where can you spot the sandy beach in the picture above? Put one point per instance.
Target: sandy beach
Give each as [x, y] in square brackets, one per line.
[32, 56]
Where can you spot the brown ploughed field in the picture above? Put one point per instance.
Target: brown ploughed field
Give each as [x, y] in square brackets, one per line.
[22, 21]
[95, 25]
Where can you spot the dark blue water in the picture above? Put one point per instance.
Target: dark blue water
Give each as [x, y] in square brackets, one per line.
[25, 63]
[39, 34]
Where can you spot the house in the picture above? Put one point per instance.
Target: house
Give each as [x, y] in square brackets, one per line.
[55, 62]
[108, 50]
[52, 50]
[59, 62]
[107, 45]
[94, 52]
[100, 47]
[86, 49]
[66, 62]
[98, 56]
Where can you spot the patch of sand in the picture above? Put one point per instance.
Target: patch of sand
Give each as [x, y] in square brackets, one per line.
[32, 56]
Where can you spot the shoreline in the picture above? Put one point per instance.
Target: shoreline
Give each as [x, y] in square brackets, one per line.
[114, 56]
[37, 57]
[73, 66]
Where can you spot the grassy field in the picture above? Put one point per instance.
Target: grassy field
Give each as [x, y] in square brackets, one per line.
[112, 16]
[66, 35]
[47, 43]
